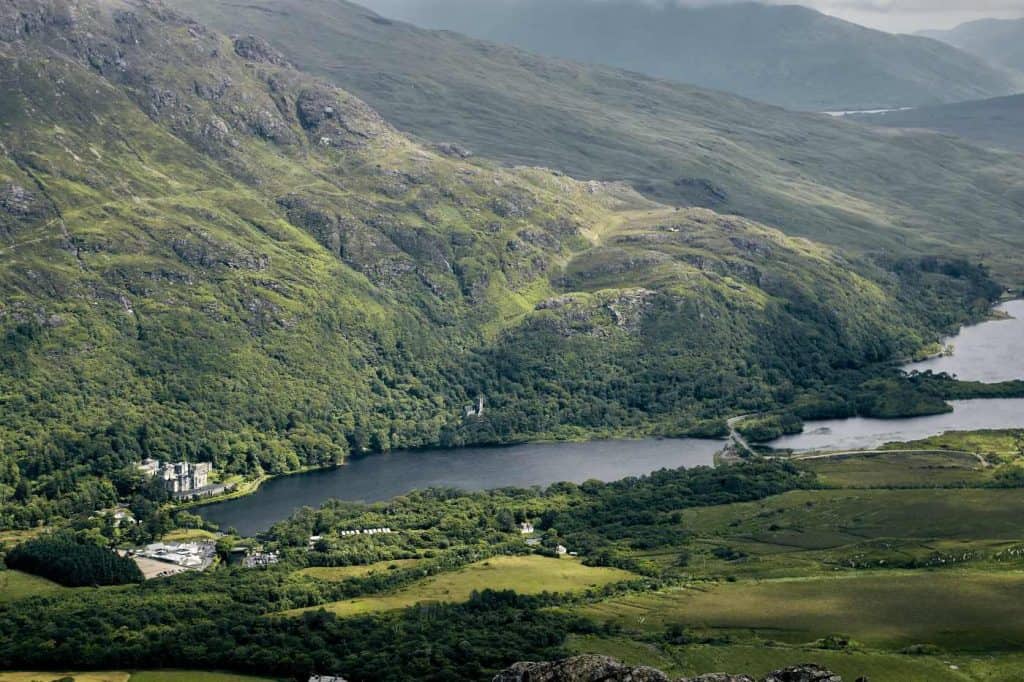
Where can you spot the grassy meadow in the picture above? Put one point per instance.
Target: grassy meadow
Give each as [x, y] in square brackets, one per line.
[17, 585]
[339, 573]
[954, 610]
[908, 567]
[523, 574]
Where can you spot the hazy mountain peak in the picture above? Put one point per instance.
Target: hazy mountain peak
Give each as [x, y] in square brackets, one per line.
[789, 55]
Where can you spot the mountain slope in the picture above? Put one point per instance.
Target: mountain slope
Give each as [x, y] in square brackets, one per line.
[205, 253]
[995, 122]
[998, 41]
[791, 56]
[809, 175]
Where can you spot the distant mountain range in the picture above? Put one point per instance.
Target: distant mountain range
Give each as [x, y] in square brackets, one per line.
[998, 41]
[995, 122]
[791, 56]
[807, 174]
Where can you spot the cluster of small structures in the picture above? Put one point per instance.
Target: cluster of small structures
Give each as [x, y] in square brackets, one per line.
[158, 559]
[367, 531]
[183, 480]
[260, 559]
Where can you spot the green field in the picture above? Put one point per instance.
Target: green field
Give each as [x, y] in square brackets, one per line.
[523, 574]
[760, 659]
[18, 585]
[817, 519]
[188, 535]
[339, 573]
[958, 610]
[912, 469]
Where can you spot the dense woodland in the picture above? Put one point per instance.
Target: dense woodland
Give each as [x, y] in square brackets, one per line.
[72, 561]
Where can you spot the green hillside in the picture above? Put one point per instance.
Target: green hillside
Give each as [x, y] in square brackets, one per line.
[208, 254]
[809, 175]
[788, 55]
[995, 122]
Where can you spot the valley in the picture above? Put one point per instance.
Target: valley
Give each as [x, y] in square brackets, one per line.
[335, 346]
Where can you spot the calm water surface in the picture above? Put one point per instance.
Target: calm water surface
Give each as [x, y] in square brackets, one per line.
[989, 352]
[381, 477]
[860, 433]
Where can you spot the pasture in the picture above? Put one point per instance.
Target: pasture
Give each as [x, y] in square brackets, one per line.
[900, 470]
[956, 609]
[17, 585]
[523, 574]
[340, 573]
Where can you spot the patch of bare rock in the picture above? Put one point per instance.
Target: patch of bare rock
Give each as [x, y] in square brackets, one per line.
[605, 669]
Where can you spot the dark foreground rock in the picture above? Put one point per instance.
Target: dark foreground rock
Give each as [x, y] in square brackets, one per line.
[605, 669]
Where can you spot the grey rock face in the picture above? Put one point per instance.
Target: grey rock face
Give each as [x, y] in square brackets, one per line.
[580, 669]
[605, 669]
[256, 49]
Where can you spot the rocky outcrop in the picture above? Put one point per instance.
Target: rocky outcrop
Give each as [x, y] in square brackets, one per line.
[21, 207]
[605, 669]
[335, 120]
[256, 49]
[580, 669]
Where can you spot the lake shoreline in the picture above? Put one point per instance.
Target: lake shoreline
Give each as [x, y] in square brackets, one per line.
[252, 487]
[384, 476]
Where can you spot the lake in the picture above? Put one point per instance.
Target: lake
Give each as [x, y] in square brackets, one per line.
[381, 477]
[989, 352]
[861, 434]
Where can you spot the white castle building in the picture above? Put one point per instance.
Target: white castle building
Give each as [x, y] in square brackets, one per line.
[180, 478]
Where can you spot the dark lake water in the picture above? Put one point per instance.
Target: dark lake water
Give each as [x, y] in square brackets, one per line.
[381, 477]
[989, 352]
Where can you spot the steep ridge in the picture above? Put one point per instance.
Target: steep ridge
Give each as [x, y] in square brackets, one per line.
[205, 253]
[833, 181]
[788, 55]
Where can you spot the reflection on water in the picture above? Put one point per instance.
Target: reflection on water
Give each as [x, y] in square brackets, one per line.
[860, 433]
[381, 477]
[990, 352]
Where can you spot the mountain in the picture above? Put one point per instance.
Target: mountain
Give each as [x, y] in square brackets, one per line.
[206, 253]
[788, 55]
[808, 175]
[995, 122]
[998, 41]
